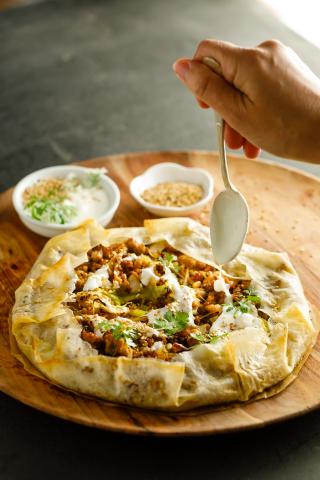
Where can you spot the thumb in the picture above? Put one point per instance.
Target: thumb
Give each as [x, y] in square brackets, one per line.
[212, 89]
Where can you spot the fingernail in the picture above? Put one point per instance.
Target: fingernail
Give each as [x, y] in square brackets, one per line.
[181, 68]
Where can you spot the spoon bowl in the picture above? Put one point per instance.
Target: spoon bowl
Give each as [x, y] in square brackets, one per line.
[228, 225]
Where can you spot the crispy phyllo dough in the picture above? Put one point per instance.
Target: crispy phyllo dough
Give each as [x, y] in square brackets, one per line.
[143, 316]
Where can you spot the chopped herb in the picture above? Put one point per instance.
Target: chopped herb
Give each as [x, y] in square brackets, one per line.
[199, 336]
[172, 323]
[254, 298]
[57, 194]
[245, 305]
[91, 180]
[175, 268]
[50, 210]
[170, 261]
[207, 338]
[215, 338]
[169, 257]
[130, 335]
[105, 325]
[120, 330]
[237, 307]
[45, 200]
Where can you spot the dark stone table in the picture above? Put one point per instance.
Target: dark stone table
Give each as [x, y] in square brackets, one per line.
[80, 79]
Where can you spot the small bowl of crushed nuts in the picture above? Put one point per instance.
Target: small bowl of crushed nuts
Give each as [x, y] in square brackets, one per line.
[170, 190]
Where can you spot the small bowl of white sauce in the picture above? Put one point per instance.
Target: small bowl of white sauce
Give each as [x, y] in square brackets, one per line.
[53, 200]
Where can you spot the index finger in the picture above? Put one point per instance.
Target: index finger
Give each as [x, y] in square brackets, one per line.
[225, 53]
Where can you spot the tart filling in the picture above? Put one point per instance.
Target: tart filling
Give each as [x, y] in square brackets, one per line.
[135, 300]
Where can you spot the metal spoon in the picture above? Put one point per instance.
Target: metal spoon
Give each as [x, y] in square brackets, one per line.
[229, 217]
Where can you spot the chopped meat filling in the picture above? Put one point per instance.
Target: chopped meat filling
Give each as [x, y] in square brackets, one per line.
[135, 300]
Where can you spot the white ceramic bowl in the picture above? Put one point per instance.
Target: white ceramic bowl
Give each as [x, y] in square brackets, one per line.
[172, 172]
[60, 171]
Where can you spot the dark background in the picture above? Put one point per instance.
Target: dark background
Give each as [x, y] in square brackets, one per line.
[80, 79]
[86, 78]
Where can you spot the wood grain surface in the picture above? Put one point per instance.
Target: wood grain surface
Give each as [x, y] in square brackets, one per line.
[285, 215]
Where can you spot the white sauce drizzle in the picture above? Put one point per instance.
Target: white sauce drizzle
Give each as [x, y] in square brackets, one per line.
[99, 278]
[131, 256]
[147, 274]
[221, 286]
[156, 313]
[157, 346]
[184, 297]
[234, 320]
[183, 294]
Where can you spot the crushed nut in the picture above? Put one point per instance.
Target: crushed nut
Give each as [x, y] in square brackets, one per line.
[177, 194]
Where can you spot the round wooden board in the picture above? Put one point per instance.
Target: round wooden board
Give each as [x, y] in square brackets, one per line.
[285, 215]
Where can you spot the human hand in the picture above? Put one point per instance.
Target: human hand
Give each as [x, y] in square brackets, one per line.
[268, 97]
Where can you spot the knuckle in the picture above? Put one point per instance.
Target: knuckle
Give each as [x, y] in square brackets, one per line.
[272, 44]
[254, 56]
[207, 42]
[203, 46]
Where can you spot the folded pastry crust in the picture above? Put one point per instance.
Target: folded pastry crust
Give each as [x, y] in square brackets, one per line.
[244, 364]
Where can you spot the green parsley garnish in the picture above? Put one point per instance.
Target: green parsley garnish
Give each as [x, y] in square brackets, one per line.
[170, 261]
[242, 306]
[245, 305]
[130, 335]
[169, 257]
[105, 325]
[172, 323]
[252, 296]
[199, 336]
[120, 330]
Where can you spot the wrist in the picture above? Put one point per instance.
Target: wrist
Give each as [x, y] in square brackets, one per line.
[308, 138]
[311, 148]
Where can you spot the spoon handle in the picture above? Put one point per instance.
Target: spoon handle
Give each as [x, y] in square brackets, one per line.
[215, 66]
[222, 151]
